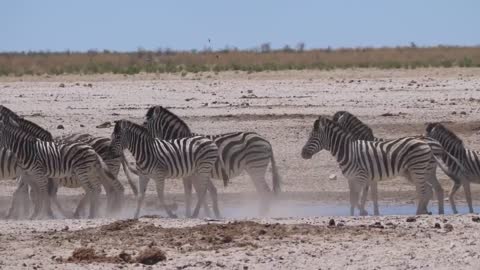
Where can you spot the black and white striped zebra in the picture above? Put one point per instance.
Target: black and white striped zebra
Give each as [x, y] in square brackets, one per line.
[464, 174]
[363, 162]
[40, 160]
[240, 151]
[101, 145]
[162, 159]
[361, 131]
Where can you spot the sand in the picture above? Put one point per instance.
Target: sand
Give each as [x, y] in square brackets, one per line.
[281, 106]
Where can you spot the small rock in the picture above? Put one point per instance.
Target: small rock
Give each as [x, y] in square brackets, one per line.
[382, 88]
[331, 222]
[377, 225]
[249, 91]
[62, 85]
[411, 219]
[454, 112]
[90, 85]
[60, 127]
[332, 177]
[448, 227]
[105, 125]
[65, 229]
[437, 225]
[81, 125]
[463, 113]
[476, 219]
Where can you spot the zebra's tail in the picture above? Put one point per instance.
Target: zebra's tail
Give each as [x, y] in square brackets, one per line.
[126, 170]
[438, 150]
[105, 172]
[275, 176]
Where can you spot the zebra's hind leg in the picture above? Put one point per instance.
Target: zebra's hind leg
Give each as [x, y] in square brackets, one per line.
[142, 187]
[468, 194]
[80, 206]
[257, 174]
[451, 195]
[438, 191]
[160, 185]
[202, 182]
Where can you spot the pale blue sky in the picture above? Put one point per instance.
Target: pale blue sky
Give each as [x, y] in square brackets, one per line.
[59, 25]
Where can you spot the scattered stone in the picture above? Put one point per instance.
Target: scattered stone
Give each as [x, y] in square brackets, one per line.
[463, 113]
[82, 125]
[125, 257]
[249, 91]
[389, 223]
[60, 127]
[62, 85]
[448, 227]
[151, 256]
[65, 229]
[331, 222]
[476, 219]
[332, 177]
[377, 225]
[105, 125]
[411, 219]
[454, 112]
[90, 85]
[82, 254]
[387, 114]
[437, 225]
[382, 88]
[189, 99]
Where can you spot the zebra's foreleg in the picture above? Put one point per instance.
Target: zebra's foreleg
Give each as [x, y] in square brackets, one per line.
[160, 185]
[142, 186]
[39, 187]
[374, 194]
[213, 194]
[187, 186]
[20, 197]
[81, 206]
[451, 195]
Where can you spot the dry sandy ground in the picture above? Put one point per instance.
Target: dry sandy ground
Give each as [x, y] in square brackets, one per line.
[281, 106]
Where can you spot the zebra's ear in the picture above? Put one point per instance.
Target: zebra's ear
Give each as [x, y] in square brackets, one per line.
[158, 110]
[117, 128]
[316, 124]
[430, 127]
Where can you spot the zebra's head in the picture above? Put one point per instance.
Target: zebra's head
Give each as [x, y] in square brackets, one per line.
[317, 139]
[116, 147]
[449, 140]
[7, 125]
[164, 124]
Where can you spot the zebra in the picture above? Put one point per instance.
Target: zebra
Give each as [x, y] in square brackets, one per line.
[239, 151]
[101, 145]
[363, 162]
[41, 160]
[468, 172]
[161, 159]
[361, 131]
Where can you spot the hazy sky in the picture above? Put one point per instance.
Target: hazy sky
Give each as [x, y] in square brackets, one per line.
[179, 24]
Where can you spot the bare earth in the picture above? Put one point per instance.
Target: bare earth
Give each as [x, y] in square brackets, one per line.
[281, 106]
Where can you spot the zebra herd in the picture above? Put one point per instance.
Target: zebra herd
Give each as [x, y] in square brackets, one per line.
[165, 147]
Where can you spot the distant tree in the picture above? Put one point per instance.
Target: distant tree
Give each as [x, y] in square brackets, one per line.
[265, 47]
[413, 45]
[301, 46]
[287, 48]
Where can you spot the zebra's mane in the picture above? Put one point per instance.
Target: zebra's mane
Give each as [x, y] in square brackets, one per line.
[337, 115]
[4, 111]
[330, 123]
[26, 125]
[167, 113]
[444, 133]
[8, 126]
[133, 127]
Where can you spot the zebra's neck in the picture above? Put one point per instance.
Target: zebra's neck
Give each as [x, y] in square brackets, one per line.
[339, 144]
[22, 146]
[140, 146]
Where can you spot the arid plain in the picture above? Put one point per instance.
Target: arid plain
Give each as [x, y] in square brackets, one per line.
[282, 107]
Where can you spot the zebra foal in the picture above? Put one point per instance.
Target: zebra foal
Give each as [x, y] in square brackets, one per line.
[363, 162]
[160, 159]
